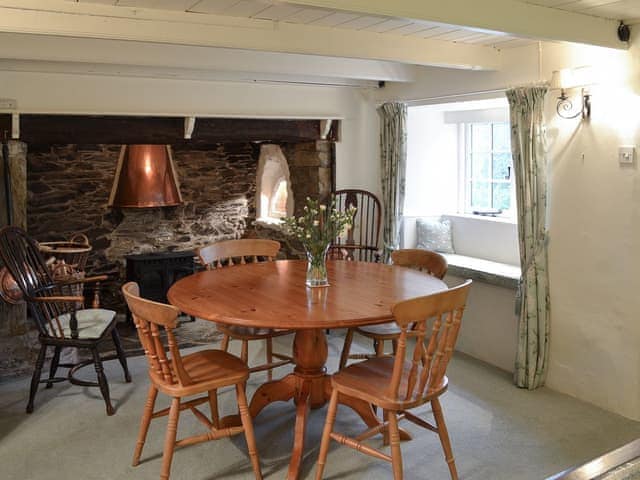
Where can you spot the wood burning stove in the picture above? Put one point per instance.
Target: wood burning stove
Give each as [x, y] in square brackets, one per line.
[156, 272]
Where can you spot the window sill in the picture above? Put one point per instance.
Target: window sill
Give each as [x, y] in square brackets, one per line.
[487, 271]
[499, 219]
[269, 221]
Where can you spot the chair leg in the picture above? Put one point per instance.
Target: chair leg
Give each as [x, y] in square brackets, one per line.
[269, 342]
[444, 437]
[224, 343]
[102, 381]
[326, 434]
[54, 366]
[244, 353]
[121, 355]
[213, 406]
[385, 433]
[394, 438]
[346, 348]
[170, 439]
[144, 423]
[35, 379]
[394, 344]
[247, 424]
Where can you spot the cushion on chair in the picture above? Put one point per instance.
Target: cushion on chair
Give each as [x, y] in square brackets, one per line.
[92, 322]
[434, 234]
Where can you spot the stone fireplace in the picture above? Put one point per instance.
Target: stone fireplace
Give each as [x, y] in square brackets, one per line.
[68, 183]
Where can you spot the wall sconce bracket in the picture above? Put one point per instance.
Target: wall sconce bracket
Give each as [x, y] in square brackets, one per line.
[566, 109]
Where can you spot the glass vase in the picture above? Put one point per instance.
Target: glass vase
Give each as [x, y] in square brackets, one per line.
[317, 268]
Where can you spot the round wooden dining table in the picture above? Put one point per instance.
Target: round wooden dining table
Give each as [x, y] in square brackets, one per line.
[274, 295]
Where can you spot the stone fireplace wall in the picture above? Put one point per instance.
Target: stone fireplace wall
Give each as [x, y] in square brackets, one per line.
[69, 186]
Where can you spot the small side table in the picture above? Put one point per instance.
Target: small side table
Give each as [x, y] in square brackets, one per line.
[156, 272]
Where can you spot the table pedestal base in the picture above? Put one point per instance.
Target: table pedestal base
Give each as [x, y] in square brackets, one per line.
[310, 387]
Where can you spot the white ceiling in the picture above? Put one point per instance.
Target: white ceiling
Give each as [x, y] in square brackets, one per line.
[291, 13]
[627, 10]
[277, 10]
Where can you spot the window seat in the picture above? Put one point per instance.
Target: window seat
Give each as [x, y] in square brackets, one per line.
[494, 273]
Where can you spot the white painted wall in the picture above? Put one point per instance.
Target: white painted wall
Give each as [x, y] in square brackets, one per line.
[432, 146]
[594, 216]
[357, 152]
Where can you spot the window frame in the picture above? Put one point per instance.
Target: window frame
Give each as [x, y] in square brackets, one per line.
[465, 168]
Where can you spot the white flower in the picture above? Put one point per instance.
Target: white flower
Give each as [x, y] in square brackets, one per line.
[308, 235]
[323, 208]
[316, 223]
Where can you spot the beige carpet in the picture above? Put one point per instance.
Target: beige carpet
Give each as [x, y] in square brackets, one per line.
[497, 431]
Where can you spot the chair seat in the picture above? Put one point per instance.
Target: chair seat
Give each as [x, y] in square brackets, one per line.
[390, 330]
[208, 370]
[92, 323]
[251, 333]
[370, 380]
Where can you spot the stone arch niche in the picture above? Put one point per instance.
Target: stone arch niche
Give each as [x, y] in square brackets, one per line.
[274, 199]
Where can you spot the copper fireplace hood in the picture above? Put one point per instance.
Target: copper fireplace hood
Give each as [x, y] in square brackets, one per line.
[145, 177]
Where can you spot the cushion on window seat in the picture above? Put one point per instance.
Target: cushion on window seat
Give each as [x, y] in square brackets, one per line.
[92, 322]
[495, 273]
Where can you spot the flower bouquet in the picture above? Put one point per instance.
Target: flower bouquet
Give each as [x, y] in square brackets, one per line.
[316, 229]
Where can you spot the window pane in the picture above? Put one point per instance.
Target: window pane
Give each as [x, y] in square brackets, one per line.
[481, 137]
[480, 194]
[501, 164]
[502, 195]
[501, 134]
[481, 165]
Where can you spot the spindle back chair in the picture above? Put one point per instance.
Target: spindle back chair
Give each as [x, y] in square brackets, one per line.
[57, 307]
[415, 376]
[223, 253]
[360, 241]
[228, 253]
[202, 372]
[426, 261]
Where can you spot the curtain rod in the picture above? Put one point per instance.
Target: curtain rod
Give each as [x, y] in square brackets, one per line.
[451, 96]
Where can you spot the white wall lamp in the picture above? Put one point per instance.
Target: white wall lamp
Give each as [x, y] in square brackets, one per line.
[570, 79]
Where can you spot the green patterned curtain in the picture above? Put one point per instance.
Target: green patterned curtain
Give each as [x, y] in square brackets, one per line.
[393, 158]
[530, 168]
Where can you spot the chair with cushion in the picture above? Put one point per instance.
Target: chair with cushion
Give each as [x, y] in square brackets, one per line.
[424, 260]
[231, 252]
[177, 376]
[360, 240]
[58, 310]
[415, 376]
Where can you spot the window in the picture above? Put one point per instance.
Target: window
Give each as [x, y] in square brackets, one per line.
[488, 185]
[459, 162]
[274, 197]
[278, 207]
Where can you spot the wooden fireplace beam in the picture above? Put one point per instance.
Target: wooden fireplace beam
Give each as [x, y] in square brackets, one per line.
[64, 129]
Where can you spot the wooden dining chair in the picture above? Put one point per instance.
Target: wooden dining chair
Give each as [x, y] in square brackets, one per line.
[415, 376]
[57, 308]
[239, 252]
[177, 376]
[424, 260]
[360, 240]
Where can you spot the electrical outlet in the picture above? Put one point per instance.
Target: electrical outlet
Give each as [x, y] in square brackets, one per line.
[8, 104]
[626, 154]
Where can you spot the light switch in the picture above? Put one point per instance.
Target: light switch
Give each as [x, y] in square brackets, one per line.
[626, 154]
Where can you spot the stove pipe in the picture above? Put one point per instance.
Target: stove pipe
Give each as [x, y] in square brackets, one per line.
[145, 177]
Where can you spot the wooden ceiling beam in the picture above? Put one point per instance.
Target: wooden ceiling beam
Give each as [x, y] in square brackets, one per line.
[88, 20]
[97, 129]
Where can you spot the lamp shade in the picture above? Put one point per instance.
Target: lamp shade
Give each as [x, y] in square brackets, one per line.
[145, 178]
[572, 78]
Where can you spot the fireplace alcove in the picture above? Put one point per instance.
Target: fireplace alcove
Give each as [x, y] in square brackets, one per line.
[71, 164]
